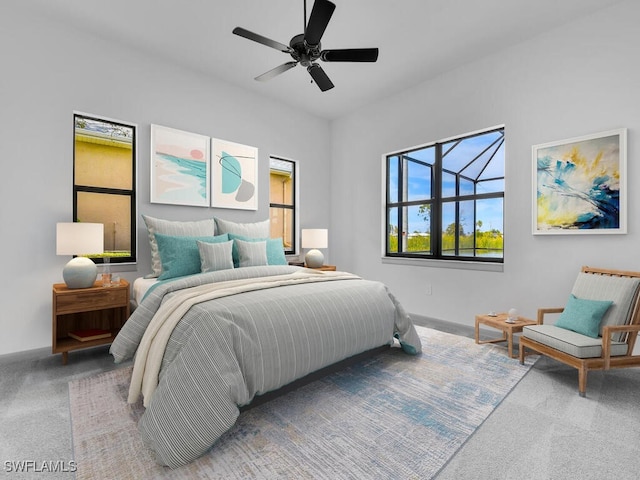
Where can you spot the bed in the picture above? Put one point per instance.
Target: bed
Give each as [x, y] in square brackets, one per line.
[206, 344]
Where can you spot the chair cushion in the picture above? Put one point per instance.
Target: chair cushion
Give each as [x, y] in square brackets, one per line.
[583, 316]
[620, 290]
[570, 342]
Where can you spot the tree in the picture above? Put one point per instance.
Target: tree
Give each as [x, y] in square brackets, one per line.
[425, 212]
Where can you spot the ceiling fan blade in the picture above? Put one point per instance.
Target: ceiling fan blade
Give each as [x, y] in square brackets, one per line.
[318, 21]
[321, 78]
[260, 39]
[276, 71]
[350, 55]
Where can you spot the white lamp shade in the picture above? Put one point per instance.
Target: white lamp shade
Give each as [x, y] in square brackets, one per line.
[315, 238]
[77, 238]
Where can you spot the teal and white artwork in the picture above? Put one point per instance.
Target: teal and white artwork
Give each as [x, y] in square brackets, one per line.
[180, 167]
[234, 175]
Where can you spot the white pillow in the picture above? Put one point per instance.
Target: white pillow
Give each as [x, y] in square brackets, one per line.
[255, 230]
[176, 228]
[215, 256]
[251, 254]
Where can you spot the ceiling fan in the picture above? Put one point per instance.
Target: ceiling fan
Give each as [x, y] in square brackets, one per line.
[305, 48]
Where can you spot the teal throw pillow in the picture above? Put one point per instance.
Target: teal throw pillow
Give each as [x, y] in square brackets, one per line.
[275, 249]
[583, 316]
[180, 255]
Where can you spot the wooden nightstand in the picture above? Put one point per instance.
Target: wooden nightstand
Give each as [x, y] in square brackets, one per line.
[326, 268]
[97, 307]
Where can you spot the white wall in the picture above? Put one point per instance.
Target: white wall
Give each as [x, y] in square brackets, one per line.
[582, 78]
[576, 80]
[49, 70]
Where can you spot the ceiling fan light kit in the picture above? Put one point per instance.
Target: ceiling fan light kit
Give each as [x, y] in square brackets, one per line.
[306, 50]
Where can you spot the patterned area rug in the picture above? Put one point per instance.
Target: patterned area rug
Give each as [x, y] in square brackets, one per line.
[390, 416]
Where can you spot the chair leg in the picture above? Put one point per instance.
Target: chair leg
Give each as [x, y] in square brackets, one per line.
[582, 381]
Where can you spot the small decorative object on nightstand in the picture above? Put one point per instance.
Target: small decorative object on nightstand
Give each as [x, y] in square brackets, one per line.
[87, 317]
[314, 238]
[76, 238]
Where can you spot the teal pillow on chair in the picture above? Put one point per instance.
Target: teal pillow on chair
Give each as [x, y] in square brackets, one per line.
[583, 316]
[180, 255]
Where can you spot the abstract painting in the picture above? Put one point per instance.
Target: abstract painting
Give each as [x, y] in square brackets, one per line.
[579, 185]
[180, 167]
[234, 175]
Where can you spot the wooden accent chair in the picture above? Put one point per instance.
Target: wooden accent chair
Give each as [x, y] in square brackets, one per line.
[618, 330]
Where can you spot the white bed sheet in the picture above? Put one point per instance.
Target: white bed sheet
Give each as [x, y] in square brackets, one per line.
[140, 287]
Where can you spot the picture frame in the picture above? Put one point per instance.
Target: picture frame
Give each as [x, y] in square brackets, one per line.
[180, 167]
[234, 175]
[580, 185]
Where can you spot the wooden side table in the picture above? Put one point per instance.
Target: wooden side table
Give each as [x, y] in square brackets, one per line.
[326, 268]
[508, 329]
[97, 307]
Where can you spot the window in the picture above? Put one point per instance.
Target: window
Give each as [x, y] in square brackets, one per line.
[446, 200]
[104, 154]
[282, 202]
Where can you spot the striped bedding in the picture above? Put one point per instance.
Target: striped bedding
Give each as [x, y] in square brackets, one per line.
[226, 350]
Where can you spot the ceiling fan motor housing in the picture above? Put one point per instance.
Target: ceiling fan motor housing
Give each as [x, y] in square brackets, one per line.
[302, 52]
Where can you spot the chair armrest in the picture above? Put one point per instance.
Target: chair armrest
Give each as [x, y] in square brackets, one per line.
[606, 340]
[543, 311]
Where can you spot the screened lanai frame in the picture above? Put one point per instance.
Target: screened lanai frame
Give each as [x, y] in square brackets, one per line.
[439, 196]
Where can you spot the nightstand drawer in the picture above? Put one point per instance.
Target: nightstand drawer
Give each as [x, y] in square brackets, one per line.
[94, 299]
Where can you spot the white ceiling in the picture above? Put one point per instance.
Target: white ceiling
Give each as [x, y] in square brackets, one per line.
[418, 39]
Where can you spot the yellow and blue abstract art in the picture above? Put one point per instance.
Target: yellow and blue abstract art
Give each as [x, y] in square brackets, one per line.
[579, 185]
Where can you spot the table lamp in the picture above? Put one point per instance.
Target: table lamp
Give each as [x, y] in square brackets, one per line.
[77, 238]
[314, 238]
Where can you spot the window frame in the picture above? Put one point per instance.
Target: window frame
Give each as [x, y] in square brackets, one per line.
[437, 201]
[132, 193]
[294, 207]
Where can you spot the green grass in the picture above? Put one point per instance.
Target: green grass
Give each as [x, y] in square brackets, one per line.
[487, 244]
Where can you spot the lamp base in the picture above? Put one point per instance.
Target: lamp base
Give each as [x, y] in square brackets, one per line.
[314, 258]
[80, 272]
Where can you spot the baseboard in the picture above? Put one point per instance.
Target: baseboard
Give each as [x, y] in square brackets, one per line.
[443, 325]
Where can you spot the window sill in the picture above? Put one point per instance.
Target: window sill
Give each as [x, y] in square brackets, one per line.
[457, 264]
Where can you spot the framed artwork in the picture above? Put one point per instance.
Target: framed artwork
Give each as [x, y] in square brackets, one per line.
[180, 167]
[234, 175]
[579, 185]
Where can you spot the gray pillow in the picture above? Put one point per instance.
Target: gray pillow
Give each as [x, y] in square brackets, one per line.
[199, 228]
[215, 256]
[620, 290]
[256, 229]
[251, 254]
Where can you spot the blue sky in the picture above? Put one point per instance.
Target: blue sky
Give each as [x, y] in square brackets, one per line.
[457, 159]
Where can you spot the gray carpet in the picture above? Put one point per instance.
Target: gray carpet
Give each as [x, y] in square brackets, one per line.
[537, 432]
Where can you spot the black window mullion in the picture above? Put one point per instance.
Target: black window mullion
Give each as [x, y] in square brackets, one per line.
[436, 210]
[401, 172]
